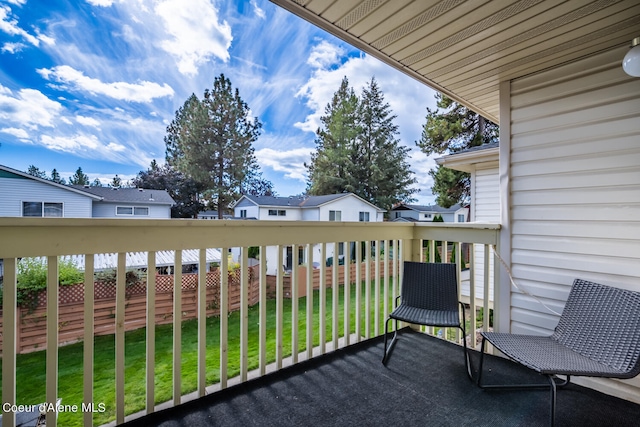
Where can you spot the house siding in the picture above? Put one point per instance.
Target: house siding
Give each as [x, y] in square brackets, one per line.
[575, 188]
[13, 191]
[108, 210]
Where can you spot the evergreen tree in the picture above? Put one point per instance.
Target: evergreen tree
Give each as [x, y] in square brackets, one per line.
[34, 171]
[79, 178]
[330, 169]
[96, 183]
[183, 190]
[55, 177]
[210, 140]
[380, 167]
[452, 127]
[116, 182]
[358, 150]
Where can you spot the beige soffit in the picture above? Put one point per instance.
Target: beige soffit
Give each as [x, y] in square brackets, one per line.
[465, 48]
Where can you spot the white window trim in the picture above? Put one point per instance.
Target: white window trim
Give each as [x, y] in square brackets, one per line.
[133, 210]
[42, 208]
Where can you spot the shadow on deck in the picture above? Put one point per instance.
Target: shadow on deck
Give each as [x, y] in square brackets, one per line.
[423, 384]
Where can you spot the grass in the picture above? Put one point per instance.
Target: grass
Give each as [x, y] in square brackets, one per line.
[31, 367]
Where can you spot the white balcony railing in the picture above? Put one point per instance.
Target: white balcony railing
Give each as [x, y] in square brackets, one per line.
[374, 272]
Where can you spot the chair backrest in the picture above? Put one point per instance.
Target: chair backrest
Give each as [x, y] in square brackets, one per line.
[602, 323]
[432, 286]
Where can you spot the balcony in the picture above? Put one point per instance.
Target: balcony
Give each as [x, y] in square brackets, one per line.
[373, 275]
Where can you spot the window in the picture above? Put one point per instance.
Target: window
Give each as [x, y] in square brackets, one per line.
[243, 213]
[275, 212]
[427, 216]
[42, 209]
[461, 218]
[335, 215]
[364, 216]
[282, 213]
[132, 211]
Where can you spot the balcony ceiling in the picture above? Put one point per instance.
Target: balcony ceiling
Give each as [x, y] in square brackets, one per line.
[465, 48]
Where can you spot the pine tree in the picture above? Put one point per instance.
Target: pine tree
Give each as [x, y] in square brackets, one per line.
[330, 169]
[79, 178]
[35, 171]
[381, 165]
[358, 150]
[211, 141]
[452, 127]
[55, 177]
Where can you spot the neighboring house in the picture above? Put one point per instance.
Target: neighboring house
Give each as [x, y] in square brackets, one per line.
[334, 207]
[22, 194]
[137, 203]
[482, 164]
[427, 213]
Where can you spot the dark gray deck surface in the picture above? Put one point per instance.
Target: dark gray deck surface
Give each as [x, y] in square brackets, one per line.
[423, 384]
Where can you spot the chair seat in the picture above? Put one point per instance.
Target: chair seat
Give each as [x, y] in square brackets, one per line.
[547, 356]
[422, 316]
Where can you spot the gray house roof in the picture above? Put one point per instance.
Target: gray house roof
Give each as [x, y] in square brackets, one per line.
[427, 208]
[298, 201]
[129, 195]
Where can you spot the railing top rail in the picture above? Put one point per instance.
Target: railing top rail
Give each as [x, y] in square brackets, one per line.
[23, 237]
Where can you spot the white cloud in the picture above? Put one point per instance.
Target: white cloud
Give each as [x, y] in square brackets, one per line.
[324, 55]
[112, 146]
[289, 162]
[30, 108]
[10, 26]
[100, 3]
[259, 12]
[18, 133]
[196, 34]
[143, 91]
[71, 144]
[13, 47]
[17, 2]
[88, 121]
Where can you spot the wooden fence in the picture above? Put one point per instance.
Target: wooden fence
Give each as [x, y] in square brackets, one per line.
[31, 334]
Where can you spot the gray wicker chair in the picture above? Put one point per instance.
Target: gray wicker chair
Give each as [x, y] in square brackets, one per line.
[598, 335]
[428, 296]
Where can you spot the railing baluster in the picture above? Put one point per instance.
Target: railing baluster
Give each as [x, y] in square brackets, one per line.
[9, 339]
[224, 316]
[472, 295]
[119, 344]
[367, 289]
[89, 295]
[386, 279]
[151, 331]
[279, 307]
[358, 291]
[322, 303]
[335, 292]
[309, 301]
[263, 310]
[347, 293]
[177, 328]
[294, 304]
[376, 296]
[485, 315]
[202, 322]
[244, 314]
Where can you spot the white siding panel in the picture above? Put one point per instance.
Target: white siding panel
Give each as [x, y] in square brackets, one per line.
[575, 187]
[14, 191]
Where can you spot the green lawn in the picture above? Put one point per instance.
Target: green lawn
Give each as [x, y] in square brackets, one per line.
[31, 367]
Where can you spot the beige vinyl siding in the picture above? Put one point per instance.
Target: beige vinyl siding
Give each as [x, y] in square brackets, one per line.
[575, 187]
[486, 208]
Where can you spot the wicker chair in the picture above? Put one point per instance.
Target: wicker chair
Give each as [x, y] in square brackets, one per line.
[429, 296]
[598, 335]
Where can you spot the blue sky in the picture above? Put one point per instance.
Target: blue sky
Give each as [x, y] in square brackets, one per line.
[94, 83]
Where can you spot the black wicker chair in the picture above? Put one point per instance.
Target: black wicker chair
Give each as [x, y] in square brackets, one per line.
[598, 335]
[428, 296]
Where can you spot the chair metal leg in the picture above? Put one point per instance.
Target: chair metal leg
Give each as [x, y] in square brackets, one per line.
[552, 385]
[467, 357]
[387, 350]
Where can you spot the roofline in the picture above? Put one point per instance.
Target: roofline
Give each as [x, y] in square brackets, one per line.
[46, 181]
[465, 161]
